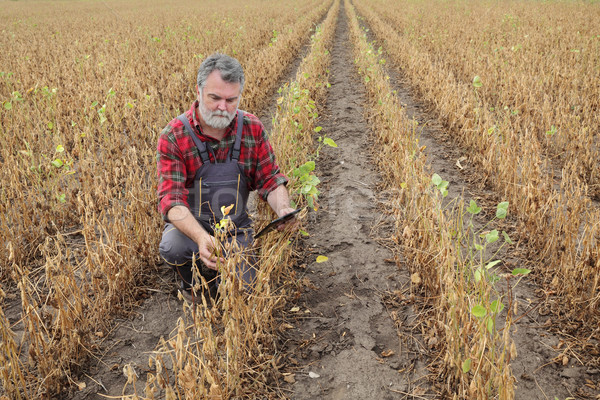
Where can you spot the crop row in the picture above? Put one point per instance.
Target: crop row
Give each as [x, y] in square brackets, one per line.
[450, 252]
[81, 111]
[229, 351]
[515, 94]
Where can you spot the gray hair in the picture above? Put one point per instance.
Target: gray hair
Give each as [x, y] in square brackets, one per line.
[231, 70]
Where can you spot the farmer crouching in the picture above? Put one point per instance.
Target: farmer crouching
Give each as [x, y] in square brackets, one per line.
[210, 158]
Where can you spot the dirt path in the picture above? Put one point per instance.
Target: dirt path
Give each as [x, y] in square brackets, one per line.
[346, 330]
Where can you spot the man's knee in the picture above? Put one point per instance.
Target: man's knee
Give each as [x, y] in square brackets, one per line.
[176, 248]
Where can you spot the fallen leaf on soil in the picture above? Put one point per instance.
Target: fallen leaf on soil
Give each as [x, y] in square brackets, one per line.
[387, 353]
[295, 309]
[283, 327]
[321, 259]
[81, 385]
[314, 375]
[458, 164]
[415, 278]
[565, 360]
[289, 378]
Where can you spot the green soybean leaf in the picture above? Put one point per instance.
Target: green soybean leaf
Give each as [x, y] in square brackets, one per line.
[466, 365]
[329, 142]
[496, 306]
[57, 163]
[506, 238]
[477, 81]
[490, 325]
[492, 263]
[520, 271]
[318, 129]
[473, 208]
[436, 179]
[479, 311]
[502, 210]
[492, 236]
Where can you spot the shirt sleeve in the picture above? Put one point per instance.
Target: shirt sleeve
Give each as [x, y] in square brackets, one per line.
[268, 176]
[171, 173]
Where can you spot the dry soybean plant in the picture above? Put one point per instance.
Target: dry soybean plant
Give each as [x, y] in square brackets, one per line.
[80, 115]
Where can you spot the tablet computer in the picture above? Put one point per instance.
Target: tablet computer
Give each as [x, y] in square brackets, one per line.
[276, 222]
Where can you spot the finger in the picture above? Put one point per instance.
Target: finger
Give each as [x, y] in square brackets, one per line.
[210, 263]
[208, 259]
[289, 225]
[282, 226]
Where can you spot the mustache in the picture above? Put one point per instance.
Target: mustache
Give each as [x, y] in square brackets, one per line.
[221, 113]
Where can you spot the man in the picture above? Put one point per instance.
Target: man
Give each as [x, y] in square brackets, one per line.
[211, 157]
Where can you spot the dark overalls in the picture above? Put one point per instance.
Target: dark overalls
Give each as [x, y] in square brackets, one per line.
[215, 185]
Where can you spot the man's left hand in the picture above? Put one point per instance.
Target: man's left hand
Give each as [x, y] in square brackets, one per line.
[290, 224]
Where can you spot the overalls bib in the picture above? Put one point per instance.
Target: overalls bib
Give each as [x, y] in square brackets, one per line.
[219, 184]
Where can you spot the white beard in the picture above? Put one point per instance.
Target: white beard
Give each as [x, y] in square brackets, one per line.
[215, 119]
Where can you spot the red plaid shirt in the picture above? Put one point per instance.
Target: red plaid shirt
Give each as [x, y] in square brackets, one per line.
[178, 158]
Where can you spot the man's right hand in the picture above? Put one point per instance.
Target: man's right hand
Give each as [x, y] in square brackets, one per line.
[206, 251]
[184, 221]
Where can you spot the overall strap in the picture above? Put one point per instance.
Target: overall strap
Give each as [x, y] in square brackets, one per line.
[235, 154]
[199, 143]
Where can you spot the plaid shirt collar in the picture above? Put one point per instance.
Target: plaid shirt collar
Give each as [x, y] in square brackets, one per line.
[230, 130]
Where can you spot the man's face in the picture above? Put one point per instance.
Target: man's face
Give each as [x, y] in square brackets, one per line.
[218, 101]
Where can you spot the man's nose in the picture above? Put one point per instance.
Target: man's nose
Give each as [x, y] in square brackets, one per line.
[222, 105]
